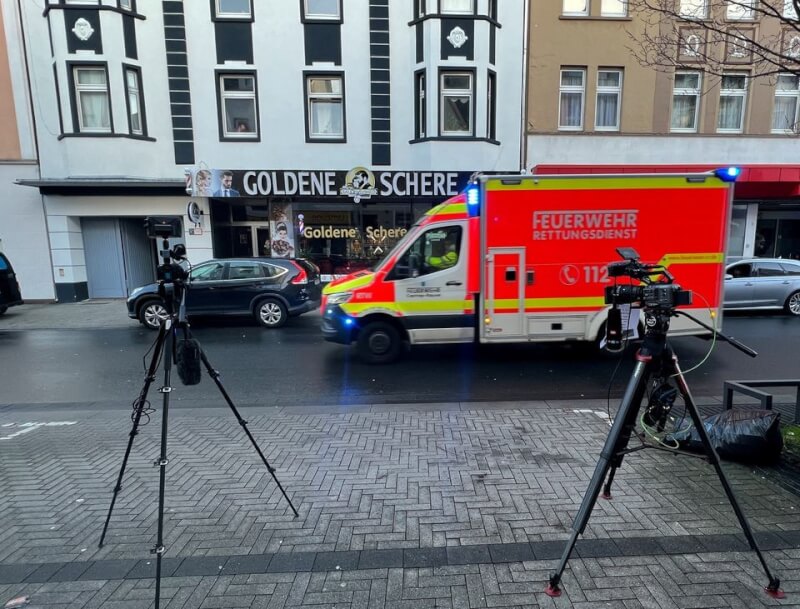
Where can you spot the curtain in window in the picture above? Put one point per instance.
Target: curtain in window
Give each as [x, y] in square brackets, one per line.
[571, 111]
[326, 118]
[607, 110]
[730, 112]
[684, 108]
[785, 112]
[94, 110]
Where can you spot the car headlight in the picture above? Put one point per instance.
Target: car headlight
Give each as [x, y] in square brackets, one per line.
[341, 297]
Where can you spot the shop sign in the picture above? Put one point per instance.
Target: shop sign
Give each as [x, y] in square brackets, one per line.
[358, 184]
[373, 233]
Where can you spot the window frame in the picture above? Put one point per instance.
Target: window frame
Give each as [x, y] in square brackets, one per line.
[420, 104]
[224, 135]
[443, 11]
[789, 11]
[607, 89]
[795, 93]
[77, 127]
[306, 17]
[131, 8]
[307, 97]
[697, 92]
[572, 89]
[739, 5]
[142, 116]
[491, 105]
[566, 13]
[448, 228]
[218, 15]
[734, 93]
[687, 15]
[623, 14]
[471, 72]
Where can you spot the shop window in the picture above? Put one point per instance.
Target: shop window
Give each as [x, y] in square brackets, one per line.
[238, 103]
[325, 107]
[732, 101]
[90, 98]
[435, 250]
[571, 94]
[685, 102]
[133, 97]
[456, 103]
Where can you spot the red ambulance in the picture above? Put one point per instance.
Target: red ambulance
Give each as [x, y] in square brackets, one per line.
[523, 258]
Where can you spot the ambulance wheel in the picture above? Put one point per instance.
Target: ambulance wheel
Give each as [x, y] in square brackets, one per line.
[379, 343]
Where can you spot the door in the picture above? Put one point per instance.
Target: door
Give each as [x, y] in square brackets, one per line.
[204, 295]
[769, 284]
[102, 248]
[245, 280]
[138, 252]
[504, 293]
[739, 286]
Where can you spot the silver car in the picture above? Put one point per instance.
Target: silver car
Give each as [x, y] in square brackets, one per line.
[763, 283]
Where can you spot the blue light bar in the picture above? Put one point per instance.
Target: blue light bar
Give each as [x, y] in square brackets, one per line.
[728, 174]
[473, 195]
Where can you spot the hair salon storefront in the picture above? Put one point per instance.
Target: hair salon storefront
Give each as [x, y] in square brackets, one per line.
[343, 221]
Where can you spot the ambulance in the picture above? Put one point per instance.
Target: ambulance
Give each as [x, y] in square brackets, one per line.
[523, 258]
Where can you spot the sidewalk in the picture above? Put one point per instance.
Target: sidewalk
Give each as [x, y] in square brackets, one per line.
[399, 508]
[93, 313]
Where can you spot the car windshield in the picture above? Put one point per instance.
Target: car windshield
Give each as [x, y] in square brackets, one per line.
[412, 232]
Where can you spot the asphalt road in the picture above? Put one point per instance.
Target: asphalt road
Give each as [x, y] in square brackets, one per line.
[294, 366]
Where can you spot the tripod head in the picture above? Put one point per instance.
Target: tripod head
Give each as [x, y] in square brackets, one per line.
[170, 274]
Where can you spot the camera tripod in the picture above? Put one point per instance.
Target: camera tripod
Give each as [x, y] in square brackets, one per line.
[173, 292]
[655, 360]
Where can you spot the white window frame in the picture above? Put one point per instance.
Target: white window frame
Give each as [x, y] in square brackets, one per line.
[572, 89]
[604, 12]
[749, 13]
[125, 5]
[689, 9]
[734, 93]
[443, 93]
[137, 92]
[568, 13]
[307, 14]
[693, 91]
[606, 90]
[220, 14]
[787, 93]
[420, 86]
[91, 88]
[327, 98]
[449, 11]
[223, 95]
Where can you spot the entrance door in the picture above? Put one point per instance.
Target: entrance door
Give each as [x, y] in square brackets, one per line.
[102, 248]
[505, 301]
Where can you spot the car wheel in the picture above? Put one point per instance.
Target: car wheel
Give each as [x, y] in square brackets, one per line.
[3, 310]
[793, 303]
[379, 343]
[152, 313]
[271, 313]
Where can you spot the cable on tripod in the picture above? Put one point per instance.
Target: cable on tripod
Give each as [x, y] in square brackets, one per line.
[713, 314]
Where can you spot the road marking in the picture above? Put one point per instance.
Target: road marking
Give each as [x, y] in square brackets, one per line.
[29, 427]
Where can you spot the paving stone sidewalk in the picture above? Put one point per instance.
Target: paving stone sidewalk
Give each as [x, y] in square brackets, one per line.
[402, 507]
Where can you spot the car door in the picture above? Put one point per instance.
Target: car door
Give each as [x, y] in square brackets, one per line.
[769, 284]
[739, 286]
[245, 280]
[205, 282]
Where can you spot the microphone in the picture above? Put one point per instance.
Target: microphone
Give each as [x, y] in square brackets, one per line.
[187, 360]
[614, 330]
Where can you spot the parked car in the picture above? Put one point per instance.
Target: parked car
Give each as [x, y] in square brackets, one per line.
[763, 283]
[9, 286]
[270, 289]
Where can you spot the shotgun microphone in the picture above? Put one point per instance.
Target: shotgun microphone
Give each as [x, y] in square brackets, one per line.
[614, 330]
[187, 360]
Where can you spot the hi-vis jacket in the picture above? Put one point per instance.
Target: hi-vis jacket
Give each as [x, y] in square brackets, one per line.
[532, 258]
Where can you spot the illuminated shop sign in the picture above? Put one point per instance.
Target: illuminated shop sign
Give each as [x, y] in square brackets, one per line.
[356, 184]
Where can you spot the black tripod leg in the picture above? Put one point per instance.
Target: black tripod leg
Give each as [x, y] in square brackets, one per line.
[162, 461]
[774, 586]
[615, 443]
[215, 376]
[140, 402]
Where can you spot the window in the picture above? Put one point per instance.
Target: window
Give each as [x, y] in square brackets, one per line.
[787, 101]
[245, 269]
[456, 104]
[732, 97]
[233, 9]
[740, 10]
[491, 107]
[744, 269]
[576, 7]
[237, 93]
[322, 9]
[791, 269]
[133, 93]
[208, 272]
[419, 8]
[691, 46]
[126, 5]
[737, 44]
[91, 99]
[685, 101]
[609, 93]
[456, 7]
[435, 250]
[325, 102]
[769, 269]
[792, 46]
[571, 92]
[693, 9]
[789, 9]
[421, 113]
[614, 8]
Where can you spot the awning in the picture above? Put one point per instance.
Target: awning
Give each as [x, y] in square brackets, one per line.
[755, 181]
[107, 186]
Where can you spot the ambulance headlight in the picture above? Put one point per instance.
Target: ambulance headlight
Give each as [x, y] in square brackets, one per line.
[341, 297]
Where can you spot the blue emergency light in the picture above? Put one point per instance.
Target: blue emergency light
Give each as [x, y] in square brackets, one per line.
[473, 199]
[728, 174]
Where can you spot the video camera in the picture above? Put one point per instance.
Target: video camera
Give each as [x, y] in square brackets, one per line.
[169, 271]
[658, 296]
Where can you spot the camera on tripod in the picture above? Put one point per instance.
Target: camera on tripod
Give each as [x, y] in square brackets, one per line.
[166, 228]
[659, 292]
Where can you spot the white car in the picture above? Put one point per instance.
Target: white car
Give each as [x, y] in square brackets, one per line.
[763, 283]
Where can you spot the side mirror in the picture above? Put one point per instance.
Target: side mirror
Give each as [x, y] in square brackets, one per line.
[728, 276]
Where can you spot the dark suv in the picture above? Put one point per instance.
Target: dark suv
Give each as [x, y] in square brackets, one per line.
[270, 289]
[9, 287]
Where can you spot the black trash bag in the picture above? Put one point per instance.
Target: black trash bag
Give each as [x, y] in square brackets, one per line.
[747, 436]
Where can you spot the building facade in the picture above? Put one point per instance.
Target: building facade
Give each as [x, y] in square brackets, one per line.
[316, 128]
[593, 107]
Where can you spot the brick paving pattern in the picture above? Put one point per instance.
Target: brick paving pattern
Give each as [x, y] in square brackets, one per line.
[437, 507]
